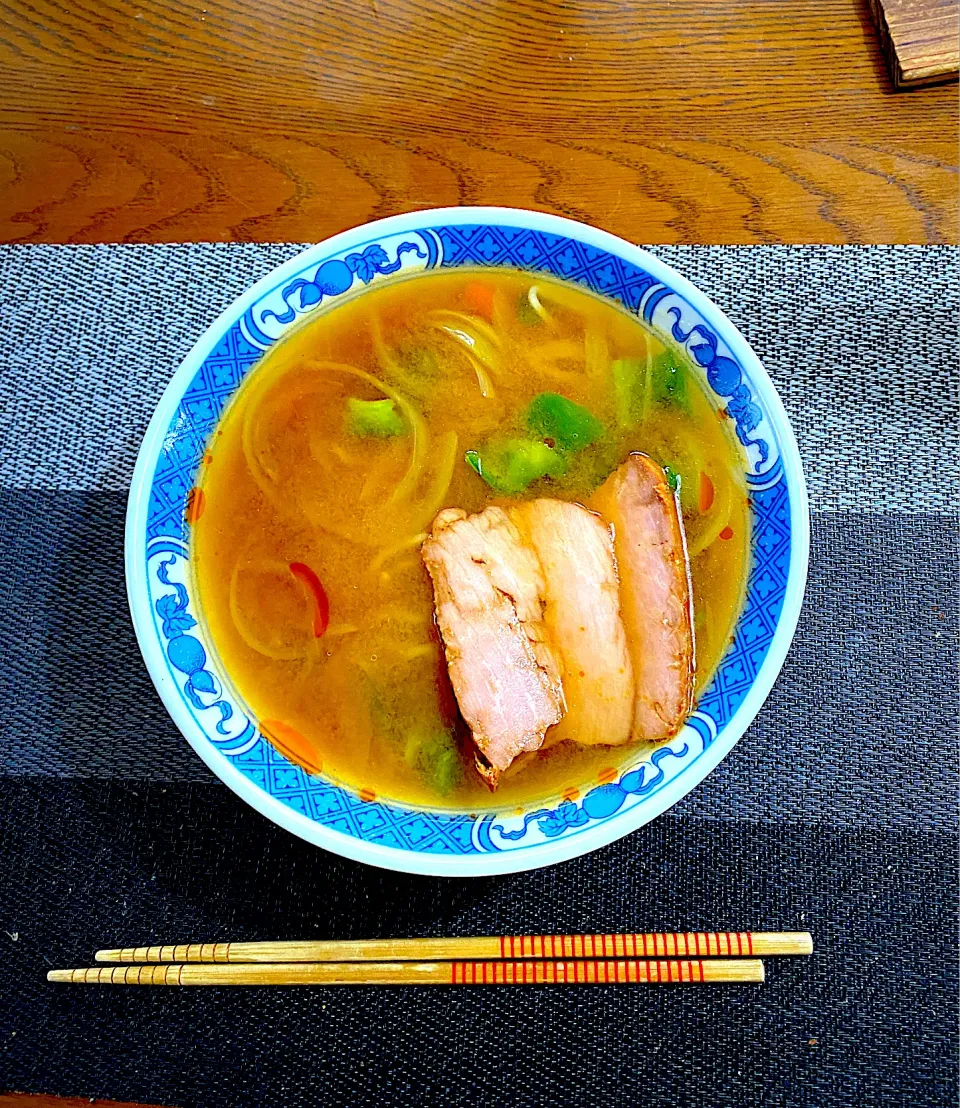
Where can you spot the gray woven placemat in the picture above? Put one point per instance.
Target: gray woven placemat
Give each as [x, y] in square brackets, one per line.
[861, 343]
[836, 811]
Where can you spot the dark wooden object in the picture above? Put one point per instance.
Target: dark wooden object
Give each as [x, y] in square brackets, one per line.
[921, 40]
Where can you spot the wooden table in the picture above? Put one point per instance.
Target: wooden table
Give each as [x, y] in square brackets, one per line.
[40, 1100]
[662, 121]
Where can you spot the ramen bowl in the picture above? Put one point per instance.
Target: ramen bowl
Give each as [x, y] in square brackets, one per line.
[199, 693]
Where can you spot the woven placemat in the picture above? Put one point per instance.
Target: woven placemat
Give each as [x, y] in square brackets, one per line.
[836, 812]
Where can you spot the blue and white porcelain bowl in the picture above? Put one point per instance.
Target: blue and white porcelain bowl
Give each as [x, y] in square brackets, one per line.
[184, 664]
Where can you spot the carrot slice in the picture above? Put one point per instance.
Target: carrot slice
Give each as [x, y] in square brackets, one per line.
[478, 297]
[321, 612]
[706, 492]
[196, 502]
[292, 744]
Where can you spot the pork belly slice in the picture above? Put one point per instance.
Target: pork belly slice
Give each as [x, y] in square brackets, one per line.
[656, 598]
[489, 592]
[582, 618]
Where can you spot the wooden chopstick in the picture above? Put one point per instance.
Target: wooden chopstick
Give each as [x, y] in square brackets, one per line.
[698, 944]
[599, 972]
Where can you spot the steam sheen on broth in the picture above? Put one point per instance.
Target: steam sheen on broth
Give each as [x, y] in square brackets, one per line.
[340, 448]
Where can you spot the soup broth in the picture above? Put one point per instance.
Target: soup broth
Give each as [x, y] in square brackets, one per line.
[314, 502]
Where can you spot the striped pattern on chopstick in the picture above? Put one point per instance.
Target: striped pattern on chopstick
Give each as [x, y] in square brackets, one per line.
[683, 944]
[600, 972]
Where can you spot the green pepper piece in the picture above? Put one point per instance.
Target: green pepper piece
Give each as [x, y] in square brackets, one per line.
[571, 426]
[373, 419]
[673, 478]
[435, 757]
[669, 383]
[509, 467]
[636, 386]
[628, 376]
[445, 771]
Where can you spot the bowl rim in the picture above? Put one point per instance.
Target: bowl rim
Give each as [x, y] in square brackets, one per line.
[548, 852]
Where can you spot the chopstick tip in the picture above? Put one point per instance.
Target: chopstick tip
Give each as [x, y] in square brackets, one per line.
[60, 975]
[107, 956]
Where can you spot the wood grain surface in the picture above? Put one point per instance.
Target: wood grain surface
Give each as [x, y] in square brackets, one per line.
[41, 1100]
[662, 121]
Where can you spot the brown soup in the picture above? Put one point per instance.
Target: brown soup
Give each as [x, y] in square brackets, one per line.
[339, 449]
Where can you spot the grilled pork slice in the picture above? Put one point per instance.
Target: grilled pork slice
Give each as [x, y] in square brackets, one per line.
[489, 592]
[655, 593]
[582, 618]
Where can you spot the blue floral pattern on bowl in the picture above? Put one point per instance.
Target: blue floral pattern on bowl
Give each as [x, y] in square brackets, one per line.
[186, 667]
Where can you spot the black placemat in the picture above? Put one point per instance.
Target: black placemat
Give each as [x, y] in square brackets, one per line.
[836, 812]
